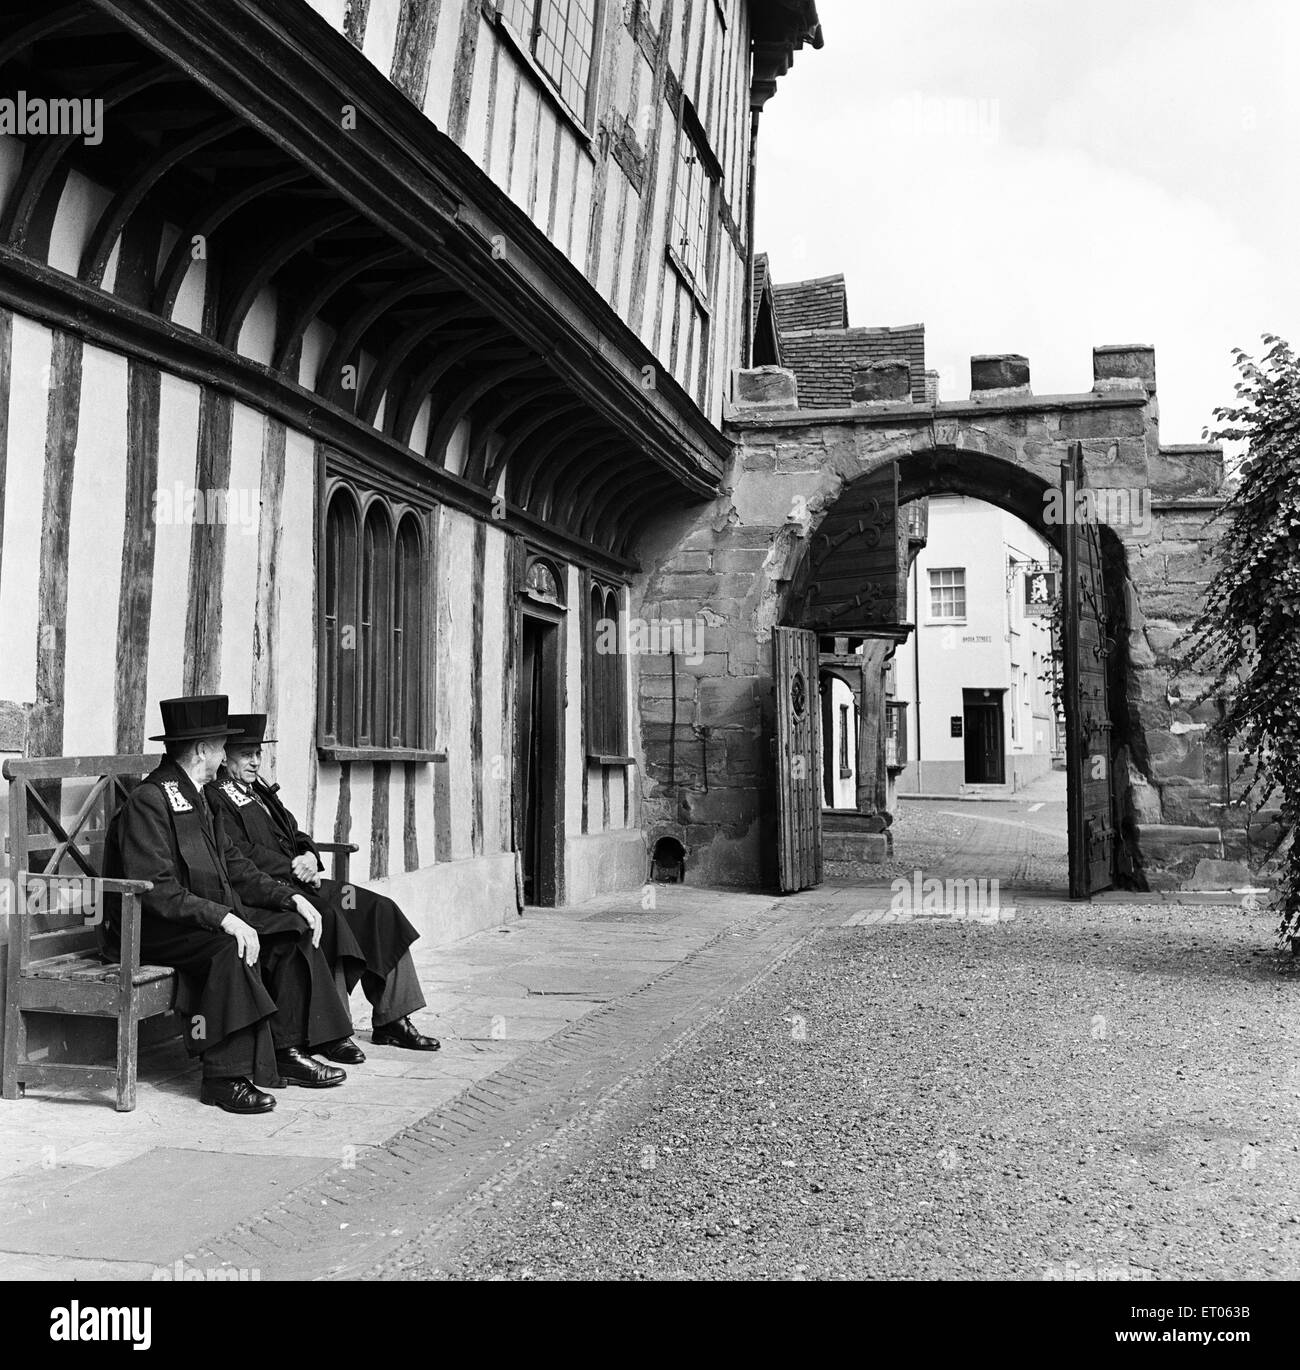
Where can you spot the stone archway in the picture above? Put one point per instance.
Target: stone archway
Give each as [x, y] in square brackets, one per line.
[733, 564]
[852, 572]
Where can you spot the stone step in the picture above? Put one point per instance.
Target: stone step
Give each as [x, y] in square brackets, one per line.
[849, 820]
[854, 847]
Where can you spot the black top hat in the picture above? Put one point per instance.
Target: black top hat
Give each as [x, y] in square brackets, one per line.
[193, 718]
[252, 729]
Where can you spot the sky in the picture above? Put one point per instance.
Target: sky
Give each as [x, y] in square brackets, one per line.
[1045, 176]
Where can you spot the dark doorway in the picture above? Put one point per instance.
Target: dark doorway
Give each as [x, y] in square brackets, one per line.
[538, 722]
[982, 728]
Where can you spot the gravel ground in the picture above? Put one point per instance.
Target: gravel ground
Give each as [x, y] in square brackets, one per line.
[1109, 1086]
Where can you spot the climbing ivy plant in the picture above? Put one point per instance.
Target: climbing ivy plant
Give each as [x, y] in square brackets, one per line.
[1247, 639]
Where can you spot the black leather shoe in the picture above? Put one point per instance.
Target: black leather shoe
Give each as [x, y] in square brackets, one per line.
[401, 1032]
[235, 1095]
[299, 1069]
[345, 1051]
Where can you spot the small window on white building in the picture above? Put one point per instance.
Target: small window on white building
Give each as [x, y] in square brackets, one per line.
[948, 594]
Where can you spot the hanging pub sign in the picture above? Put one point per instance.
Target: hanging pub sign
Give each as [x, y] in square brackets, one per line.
[1041, 590]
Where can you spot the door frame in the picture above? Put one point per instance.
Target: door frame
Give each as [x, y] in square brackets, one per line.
[548, 879]
[995, 703]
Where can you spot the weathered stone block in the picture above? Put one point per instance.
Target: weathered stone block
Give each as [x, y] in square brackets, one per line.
[1104, 422]
[728, 702]
[1188, 469]
[727, 807]
[13, 726]
[658, 737]
[691, 586]
[659, 709]
[766, 387]
[1190, 802]
[1169, 841]
[1162, 636]
[1119, 362]
[1143, 799]
[852, 848]
[888, 381]
[686, 562]
[1003, 371]
[654, 687]
[743, 560]
[1195, 566]
[1211, 874]
[711, 663]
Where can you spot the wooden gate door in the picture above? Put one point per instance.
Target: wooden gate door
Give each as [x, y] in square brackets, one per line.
[1087, 712]
[798, 758]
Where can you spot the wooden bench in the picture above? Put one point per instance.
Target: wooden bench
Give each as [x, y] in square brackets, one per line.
[59, 811]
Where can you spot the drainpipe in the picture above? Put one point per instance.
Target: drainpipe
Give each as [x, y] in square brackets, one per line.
[747, 346]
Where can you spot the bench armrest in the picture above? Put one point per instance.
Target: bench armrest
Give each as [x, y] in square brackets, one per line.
[99, 882]
[340, 851]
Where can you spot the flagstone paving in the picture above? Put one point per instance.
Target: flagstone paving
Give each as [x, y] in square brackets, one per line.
[73, 1171]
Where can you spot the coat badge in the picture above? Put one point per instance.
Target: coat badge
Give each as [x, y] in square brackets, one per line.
[235, 794]
[172, 789]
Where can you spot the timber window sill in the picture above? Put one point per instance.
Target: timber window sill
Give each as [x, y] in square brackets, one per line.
[600, 759]
[687, 277]
[330, 752]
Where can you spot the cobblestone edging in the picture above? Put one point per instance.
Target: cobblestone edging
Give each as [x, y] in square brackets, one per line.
[355, 1219]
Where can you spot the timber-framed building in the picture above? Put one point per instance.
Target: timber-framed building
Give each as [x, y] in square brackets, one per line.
[346, 350]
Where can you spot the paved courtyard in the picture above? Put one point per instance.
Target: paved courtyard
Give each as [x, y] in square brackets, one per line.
[728, 1084]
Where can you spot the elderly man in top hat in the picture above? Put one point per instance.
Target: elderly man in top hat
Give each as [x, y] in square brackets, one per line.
[259, 993]
[367, 937]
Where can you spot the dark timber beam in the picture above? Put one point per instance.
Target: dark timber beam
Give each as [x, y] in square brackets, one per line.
[317, 301]
[521, 433]
[440, 433]
[399, 351]
[225, 202]
[520, 481]
[555, 474]
[44, 157]
[476, 463]
[424, 382]
[269, 260]
[59, 302]
[349, 337]
[127, 200]
[287, 72]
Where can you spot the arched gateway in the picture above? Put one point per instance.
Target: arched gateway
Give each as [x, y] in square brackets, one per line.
[807, 550]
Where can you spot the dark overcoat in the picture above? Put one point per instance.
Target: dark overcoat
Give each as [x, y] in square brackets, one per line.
[165, 833]
[363, 930]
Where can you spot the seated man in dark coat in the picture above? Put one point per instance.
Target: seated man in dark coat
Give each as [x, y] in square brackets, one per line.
[254, 986]
[367, 937]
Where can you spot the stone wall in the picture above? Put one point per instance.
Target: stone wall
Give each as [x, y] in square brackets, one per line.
[707, 767]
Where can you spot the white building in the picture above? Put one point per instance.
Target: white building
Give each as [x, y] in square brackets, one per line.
[983, 714]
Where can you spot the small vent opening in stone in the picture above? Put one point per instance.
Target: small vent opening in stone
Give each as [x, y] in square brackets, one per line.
[668, 865]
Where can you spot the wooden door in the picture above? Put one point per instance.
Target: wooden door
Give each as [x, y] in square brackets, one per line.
[854, 577]
[982, 727]
[1087, 710]
[798, 758]
[539, 773]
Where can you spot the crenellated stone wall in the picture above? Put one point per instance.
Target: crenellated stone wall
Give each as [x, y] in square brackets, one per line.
[707, 766]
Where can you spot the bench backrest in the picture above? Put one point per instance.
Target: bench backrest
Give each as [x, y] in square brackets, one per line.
[59, 812]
